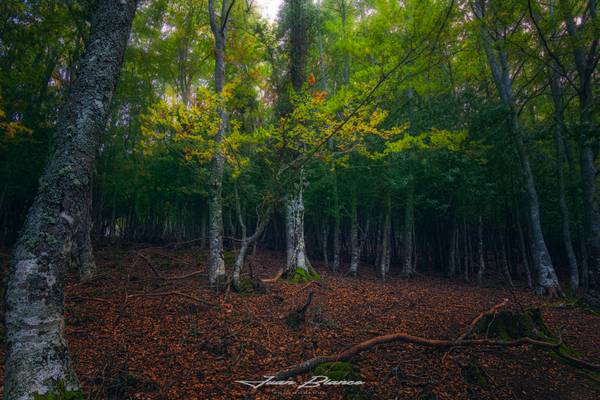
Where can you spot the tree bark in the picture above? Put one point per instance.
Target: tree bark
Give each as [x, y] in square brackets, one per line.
[557, 98]
[296, 247]
[481, 270]
[37, 358]
[216, 262]
[547, 280]
[354, 239]
[386, 243]
[585, 63]
[409, 220]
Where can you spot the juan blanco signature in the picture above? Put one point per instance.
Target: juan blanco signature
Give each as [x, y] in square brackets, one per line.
[315, 381]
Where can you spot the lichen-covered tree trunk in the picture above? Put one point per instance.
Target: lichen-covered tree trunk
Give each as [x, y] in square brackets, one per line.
[82, 245]
[216, 262]
[296, 247]
[37, 358]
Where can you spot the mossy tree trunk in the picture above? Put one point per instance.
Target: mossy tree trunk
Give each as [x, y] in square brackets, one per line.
[37, 359]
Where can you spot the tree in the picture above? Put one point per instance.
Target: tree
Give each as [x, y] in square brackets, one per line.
[37, 358]
[216, 263]
[500, 68]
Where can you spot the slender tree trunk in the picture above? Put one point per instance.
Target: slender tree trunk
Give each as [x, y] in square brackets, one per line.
[467, 252]
[585, 58]
[337, 245]
[296, 247]
[37, 358]
[386, 245]
[354, 239]
[505, 266]
[409, 220]
[325, 238]
[481, 270]
[452, 257]
[562, 201]
[547, 280]
[216, 262]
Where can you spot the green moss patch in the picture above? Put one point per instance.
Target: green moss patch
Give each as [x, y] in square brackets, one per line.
[249, 286]
[301, 275]
[60, 393]
[338, 371]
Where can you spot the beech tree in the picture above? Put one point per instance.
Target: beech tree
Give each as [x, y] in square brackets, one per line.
[37, 359]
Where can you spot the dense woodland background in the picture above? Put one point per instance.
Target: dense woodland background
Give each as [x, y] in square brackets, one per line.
[401, 137]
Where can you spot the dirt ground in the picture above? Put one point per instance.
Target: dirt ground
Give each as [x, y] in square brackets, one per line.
[136, 333]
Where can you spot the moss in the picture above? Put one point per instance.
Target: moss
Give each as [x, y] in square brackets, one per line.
[59, 392]
[301, 275]
[508, 325]
[249, 286]
[338, 371]
[229, 257]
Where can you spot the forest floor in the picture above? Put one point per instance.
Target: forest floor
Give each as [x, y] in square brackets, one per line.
[126, 345]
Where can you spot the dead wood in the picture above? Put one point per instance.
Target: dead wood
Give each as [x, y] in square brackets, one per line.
[275, 278]
[172, 293]
[478, 318]
[346, 355]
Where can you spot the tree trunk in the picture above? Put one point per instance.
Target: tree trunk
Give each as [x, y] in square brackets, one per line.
[409, 220]
[452, 257]
[547, 280]
[524, 256]
[562, 201]
[296, 247]
[386, 245]
[585, 58]
[216, 262]
[83, 249]
[37, 359]
[325, 238]
[354, 239]
[481, 270]
[337, 245]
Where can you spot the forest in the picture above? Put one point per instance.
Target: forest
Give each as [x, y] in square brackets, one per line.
[290, 199]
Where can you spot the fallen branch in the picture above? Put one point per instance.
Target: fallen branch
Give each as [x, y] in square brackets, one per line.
[305, 286]
[579, 362]
[149, 263]
[173, 293]
[275, 278]
[478, 318]
[345, 355]
[190, 275]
